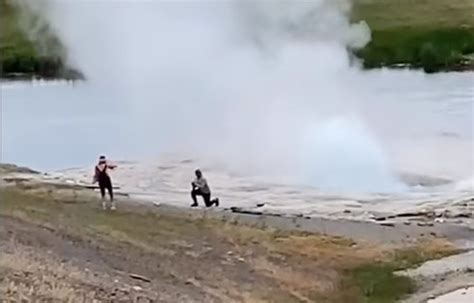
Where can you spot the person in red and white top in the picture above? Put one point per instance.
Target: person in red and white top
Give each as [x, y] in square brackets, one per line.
[102, 176]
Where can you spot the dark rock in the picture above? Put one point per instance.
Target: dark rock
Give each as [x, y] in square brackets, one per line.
[245, 211]
[417, 214]
[463, 215]
[424, 224]
[138, 277]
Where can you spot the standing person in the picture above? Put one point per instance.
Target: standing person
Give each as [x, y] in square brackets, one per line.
[102, 176]
[201, 188]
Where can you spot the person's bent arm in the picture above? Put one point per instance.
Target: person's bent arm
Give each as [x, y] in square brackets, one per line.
[201, 183]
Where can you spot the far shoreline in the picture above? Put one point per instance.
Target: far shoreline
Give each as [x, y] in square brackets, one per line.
[21, 77]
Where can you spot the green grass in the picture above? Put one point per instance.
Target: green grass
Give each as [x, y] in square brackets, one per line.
[431, 49]
[378, 284]
[384, 14]
[14, 45]
[18, 54]
[435, 35]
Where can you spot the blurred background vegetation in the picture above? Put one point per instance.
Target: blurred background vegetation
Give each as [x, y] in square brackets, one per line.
[24, 55]
[435, 35]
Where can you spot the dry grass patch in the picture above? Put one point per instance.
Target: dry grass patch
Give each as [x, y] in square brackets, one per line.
[333, 251]
[299, 283]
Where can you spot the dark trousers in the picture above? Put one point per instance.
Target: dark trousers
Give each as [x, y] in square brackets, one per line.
[104, 184]
[205, 196]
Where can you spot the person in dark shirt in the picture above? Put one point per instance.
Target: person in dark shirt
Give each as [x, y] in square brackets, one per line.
[201, 188]
[101, 175]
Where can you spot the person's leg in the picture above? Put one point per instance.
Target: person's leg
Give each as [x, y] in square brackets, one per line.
[111, 194]
[194, 194]
[102, 187]
[207, 199]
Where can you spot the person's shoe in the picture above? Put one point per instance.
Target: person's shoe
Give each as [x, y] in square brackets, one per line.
[194, 205]
[216, 202]
[113, 207]
[104, 205]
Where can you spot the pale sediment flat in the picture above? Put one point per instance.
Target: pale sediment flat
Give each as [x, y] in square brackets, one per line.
[448, 280]
[167, 181]
[463, 295]
[457, 263]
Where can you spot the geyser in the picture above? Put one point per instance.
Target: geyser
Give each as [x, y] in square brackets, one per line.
[345, 156]
[241, 82]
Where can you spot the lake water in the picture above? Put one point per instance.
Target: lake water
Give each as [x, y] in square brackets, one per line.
[425, 123]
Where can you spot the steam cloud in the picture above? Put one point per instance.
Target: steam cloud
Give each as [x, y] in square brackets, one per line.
[261, 86]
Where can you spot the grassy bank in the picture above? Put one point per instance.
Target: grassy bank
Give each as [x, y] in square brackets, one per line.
[434, 35]
[209, 260]
[23, 58]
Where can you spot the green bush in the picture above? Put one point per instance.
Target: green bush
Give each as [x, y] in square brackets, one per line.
[430, 49]
[18, 64]
[48, 67]
[428, 57]
[379, 284]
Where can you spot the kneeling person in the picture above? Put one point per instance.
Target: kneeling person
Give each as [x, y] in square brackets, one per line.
[201, 188]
